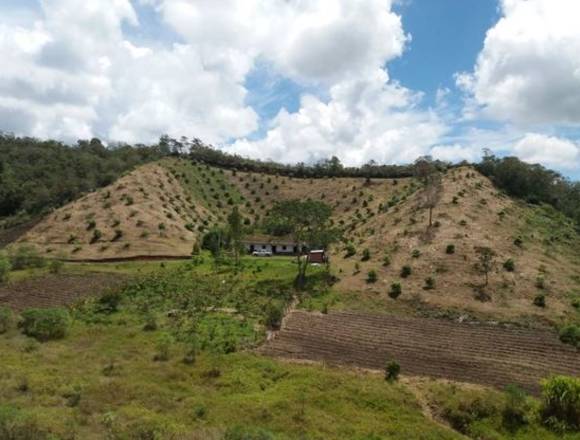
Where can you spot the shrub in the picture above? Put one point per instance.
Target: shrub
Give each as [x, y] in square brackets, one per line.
[540, 300]
[450, 249]
[372, 277]
[386, 260]
[396, 290]
[5, 267]
[540, 282]
[45, 324]
[5, 319]
[406, 271]
[570, 334]
[561, 403]
[109, 302]
[118, 235]
[164, 344]
[55, 266]
[97, 234]
[416, 253]
[350, 250]
[515, 411]
[274, 316]
[518, 242]
[150, 323]
[392, 371]
[91, 224]
[25, 257]
[509, 265]
[429, 283]
[366, 256]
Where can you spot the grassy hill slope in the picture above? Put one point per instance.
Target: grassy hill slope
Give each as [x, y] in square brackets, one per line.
[162, 209]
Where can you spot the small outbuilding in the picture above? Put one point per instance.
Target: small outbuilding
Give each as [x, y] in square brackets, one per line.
[317, 257]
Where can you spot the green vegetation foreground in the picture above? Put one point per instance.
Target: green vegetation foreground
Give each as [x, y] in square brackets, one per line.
[164, 359]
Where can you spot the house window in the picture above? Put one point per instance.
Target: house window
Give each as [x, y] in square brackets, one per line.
[263, 246]
[284, 248]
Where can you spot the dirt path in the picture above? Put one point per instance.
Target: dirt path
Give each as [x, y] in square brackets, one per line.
[473, 353]
[55, 290]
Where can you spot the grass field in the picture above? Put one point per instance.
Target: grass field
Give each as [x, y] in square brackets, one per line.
[172, 357]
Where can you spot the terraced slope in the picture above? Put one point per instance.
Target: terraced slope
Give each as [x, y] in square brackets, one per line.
[476, 353]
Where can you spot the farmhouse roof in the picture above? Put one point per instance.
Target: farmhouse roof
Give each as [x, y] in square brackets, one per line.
[268, 239]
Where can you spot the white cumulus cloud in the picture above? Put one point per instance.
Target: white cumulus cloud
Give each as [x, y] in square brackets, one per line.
[548, 150]
[529, 69]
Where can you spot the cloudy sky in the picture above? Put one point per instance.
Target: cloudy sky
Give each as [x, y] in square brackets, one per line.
[300, 80]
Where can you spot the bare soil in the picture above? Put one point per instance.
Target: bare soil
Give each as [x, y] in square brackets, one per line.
[56, 290]
[483, 354]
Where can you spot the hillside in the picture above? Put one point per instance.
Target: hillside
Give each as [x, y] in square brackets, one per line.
[162, 209]
[542, 243]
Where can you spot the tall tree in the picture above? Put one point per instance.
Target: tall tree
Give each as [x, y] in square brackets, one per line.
[307, 222]
[486, 263]
[236, 233]
[430, 177]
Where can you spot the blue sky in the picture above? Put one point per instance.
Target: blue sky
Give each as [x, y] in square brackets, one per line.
[300, 81]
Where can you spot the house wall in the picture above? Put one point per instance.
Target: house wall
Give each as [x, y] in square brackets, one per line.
[287, 249]
[258, 247]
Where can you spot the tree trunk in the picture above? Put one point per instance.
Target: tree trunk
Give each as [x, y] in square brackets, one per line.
[430, 216]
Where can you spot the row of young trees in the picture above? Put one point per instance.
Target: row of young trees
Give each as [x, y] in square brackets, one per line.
[38, 175]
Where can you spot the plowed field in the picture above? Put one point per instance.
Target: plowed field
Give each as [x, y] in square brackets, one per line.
[477, 353]
[55, 290]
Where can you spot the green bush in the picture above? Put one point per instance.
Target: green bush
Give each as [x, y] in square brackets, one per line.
[416, 253]
[464, 411]
[540, 300]
[164, 344]
[450, 249]
[570, 334]
[5, 319]
[516, 409]
[406, 271]
[350, 251]
[366, 256]
[396, 290]
[55, 266]
[509, 265]
[274, 315]
[392, 371]
[386, 260]
[109, 302]
[561, 403]
[5, 267]
[25, 257]
[372, 277]
[429, 283]
[45, 324]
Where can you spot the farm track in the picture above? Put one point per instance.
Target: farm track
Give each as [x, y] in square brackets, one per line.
[56, 290]
[476, 353]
